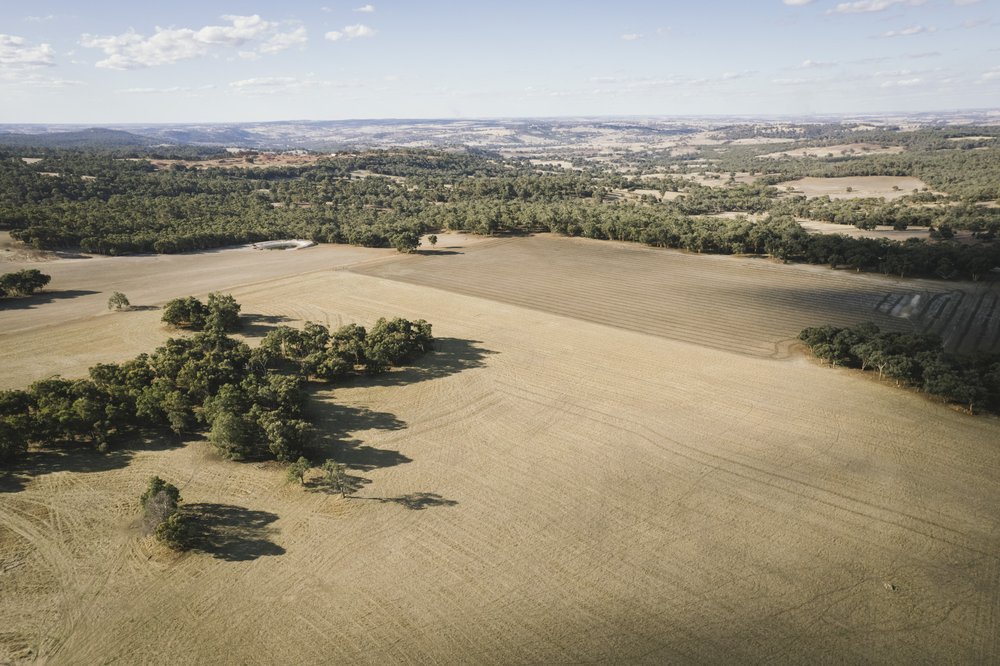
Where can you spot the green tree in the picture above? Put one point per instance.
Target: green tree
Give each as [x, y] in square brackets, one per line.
[335, 477]
[118, 301]
[297, 470]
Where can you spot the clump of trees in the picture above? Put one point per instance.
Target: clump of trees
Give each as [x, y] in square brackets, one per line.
[251, 403]
[22, 283]
[221, 313]
[162, 515]
[315, 352]
[911, 359]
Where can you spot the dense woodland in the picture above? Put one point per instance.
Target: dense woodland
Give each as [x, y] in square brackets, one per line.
[116, 201]
[911, 359]
[252, 403]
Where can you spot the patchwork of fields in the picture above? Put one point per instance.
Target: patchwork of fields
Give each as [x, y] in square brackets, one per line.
[612, 456]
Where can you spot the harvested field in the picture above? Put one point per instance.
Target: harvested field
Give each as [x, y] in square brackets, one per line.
[884, 231]
[840, 150]
[753, 306]
[860, 186]
[541, 489]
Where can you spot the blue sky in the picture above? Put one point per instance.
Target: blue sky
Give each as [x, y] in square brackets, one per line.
[217, 61]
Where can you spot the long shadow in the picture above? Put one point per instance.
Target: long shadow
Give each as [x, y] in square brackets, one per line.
[414, 501]
[80, 458]
[258, 325]
[33, 301]
[142, 308]
[232, 533]
[450, 356]
[432, 253]
[335, 423]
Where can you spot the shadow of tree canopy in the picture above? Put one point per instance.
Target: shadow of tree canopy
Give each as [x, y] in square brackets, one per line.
[258, 325]
[81, 458]
[449, 357]
[142, 308]
[415, 501]
[334, 425]
[432, 253]
[352, 484]
[41, 298]
[232, 533]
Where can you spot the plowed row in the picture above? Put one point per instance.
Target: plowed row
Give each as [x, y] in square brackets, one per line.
[540, 489]
[747, 306]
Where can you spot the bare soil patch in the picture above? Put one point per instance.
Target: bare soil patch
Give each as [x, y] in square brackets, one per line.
[885, 187]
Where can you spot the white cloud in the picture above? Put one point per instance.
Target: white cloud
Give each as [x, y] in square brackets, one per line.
[17, 52]
[40, 19]
[862, 6]
[631, 37]
[284, 40]
[816, 64]
[991, 75]
[367, 9]
[351, 32]
[130, 50]
[906, 32]
[798, 3]
[272, 85]
[901, 83]
[963, 3]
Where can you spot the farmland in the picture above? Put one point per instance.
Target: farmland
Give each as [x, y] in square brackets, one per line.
[614, 453]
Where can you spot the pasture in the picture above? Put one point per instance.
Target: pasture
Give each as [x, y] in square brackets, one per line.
[614, 454]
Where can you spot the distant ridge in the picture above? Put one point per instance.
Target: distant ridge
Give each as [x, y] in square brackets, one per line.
[94, 137]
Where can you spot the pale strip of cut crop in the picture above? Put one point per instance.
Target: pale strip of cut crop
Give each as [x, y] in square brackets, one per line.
[860, 186]
[542, 490]
[817, 227]
[840, 150]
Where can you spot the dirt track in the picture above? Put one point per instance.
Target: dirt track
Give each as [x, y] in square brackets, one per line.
[542, 489]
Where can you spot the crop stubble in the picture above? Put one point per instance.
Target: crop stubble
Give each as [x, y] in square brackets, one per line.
[591, 493]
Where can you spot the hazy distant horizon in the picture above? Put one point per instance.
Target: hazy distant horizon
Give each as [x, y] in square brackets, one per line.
[115, 62]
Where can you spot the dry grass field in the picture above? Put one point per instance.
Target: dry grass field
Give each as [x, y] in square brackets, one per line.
[840, 150]
[855, 187]
[568, 478]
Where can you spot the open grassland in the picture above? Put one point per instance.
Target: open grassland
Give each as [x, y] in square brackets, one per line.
[541, 489]
[855, 187]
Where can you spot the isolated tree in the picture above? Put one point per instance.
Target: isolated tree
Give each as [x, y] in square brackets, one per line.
[297, 470]
[432, 239]
[335, 477]
[118, 301]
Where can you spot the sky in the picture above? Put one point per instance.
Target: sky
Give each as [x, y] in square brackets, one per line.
[114, 62]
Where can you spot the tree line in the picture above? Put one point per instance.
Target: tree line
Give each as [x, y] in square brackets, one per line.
[917, 360]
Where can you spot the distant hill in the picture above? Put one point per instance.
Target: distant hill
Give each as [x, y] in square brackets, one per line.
[94, 137]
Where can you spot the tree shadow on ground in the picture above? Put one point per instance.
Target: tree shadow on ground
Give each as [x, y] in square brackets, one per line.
[232, 533]
[335, 423]
[413, 501]
[33, 301]
[258, 325]
[433, 253]
[449, 357]
[80, 458]
[142, 308]
[352, 484]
